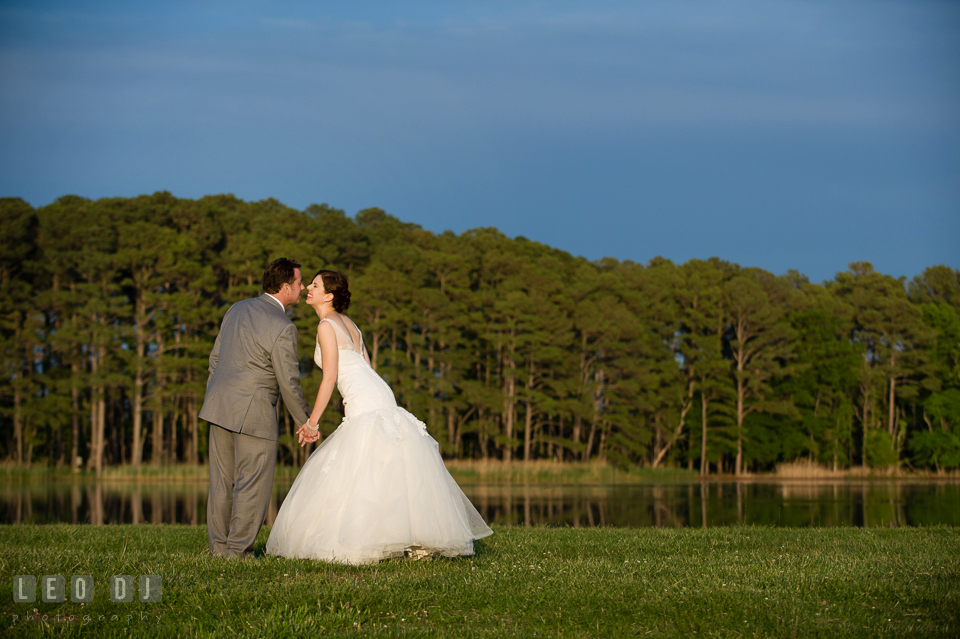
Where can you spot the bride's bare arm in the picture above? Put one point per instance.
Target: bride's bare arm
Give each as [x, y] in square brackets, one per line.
[331, 361]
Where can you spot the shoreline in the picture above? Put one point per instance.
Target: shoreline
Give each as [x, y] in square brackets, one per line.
[498, 472]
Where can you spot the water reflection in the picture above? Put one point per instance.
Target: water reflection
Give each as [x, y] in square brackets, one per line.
[674, 505]
[99, 503]
[871, 504]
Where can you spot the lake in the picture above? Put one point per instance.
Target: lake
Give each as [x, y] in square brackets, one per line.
[875, 503]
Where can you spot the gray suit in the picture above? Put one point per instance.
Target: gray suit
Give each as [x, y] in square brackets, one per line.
[253, 361]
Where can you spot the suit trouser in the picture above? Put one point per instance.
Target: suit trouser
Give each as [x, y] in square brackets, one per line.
[241, 479]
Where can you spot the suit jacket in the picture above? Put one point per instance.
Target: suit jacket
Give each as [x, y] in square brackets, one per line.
[253, 361]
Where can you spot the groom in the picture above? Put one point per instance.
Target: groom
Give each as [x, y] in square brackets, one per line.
[252, 362]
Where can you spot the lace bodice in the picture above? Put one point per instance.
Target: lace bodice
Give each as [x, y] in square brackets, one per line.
[344, 342]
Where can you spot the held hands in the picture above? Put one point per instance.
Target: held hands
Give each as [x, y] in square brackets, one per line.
[307, 435]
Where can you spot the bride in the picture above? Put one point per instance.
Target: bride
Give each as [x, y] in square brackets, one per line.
[377, 487]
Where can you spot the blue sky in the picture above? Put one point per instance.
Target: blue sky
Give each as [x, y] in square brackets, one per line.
[785, 135]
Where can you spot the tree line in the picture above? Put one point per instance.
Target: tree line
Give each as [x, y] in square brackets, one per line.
[506, 348]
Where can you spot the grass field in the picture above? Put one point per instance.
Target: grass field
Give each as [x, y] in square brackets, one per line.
[523, 582]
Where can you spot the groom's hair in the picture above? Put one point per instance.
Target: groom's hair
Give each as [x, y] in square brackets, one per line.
[280, 272]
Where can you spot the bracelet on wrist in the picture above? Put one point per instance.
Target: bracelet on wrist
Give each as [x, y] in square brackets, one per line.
[317, 427]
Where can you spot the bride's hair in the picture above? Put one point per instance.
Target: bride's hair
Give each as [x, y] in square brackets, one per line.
[336, 283]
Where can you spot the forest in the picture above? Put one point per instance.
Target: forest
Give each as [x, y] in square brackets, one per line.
[506, 348]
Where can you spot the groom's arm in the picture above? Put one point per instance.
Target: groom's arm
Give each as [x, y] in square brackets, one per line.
[287, 370]
[214, 357]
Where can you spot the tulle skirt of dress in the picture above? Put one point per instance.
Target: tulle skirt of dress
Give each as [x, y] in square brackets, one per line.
[376, 488]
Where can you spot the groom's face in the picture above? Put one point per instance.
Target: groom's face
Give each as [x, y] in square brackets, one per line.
[293, 291]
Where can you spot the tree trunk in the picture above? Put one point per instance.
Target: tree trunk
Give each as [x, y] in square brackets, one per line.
[597, 406]
[194, 422]
[683, 418]
[482, 436]
[658, 444]
[741, 390]
[704, 465]
[193, 456]
[452, 428]
[156, 455]
[528, 431]
[865, 390]
[508, 410]
[584, 376]
[101, 408]
[603, 441]
[891, 421]
[173, 446]
[75, 404]
[577, 433]
[528, 421]
[98, 411]
[173, 441]
[17, 422]
[112, 452]
[58, 445]
[28, 457]
[92, 447]
[593, 431]
[136, 453]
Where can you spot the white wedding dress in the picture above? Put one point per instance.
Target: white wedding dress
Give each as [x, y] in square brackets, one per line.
[375, 488]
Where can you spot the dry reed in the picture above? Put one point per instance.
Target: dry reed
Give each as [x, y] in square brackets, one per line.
[808, 469]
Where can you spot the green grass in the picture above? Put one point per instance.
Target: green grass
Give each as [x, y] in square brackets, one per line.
[525, 582]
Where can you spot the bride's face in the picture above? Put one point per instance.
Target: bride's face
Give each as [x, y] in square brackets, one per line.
[315, 291]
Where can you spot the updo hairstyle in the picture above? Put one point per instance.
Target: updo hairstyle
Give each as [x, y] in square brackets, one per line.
[336, 283]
